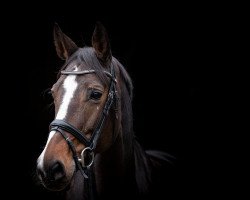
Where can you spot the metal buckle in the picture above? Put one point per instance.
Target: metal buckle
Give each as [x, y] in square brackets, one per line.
[90, 156]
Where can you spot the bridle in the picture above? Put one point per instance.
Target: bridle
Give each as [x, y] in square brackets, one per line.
[90, 144]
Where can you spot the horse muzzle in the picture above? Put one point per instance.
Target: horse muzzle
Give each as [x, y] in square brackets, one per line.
[53, 176]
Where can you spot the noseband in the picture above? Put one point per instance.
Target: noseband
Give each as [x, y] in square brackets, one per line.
[87, 155]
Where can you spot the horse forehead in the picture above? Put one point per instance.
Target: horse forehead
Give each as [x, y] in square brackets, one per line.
[70, 83]
[86, 80]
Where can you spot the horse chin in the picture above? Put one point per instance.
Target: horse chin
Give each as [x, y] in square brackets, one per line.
[56, 185]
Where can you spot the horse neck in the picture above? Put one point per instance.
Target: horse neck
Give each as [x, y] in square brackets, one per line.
[112, 172]
[118, 173]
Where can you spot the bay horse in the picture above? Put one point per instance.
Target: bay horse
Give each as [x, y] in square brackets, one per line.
[91, 151]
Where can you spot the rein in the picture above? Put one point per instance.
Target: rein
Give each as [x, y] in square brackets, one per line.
[84, 164]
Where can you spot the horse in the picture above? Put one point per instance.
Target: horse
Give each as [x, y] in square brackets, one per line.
[92, 151]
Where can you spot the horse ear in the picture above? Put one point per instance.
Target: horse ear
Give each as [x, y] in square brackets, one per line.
[101, 44]
[65, 47]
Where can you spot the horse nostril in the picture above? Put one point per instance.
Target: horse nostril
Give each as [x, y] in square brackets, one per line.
[56, 171]
[40, 173]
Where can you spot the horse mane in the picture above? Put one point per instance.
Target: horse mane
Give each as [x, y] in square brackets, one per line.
[143, 162]
[136, 158]
[126, 108]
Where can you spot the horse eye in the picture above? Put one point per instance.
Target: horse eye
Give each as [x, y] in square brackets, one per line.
[50, 93]
[95, 95]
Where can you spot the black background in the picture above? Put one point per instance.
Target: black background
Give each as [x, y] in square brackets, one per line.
[178, 58]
